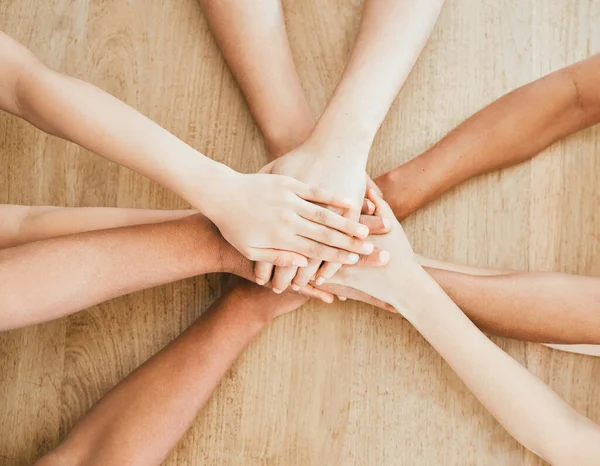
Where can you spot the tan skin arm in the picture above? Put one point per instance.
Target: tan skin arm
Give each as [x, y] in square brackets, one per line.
[144, 416]
[510, 130]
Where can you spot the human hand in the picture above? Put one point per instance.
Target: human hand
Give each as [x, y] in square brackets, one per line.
[381, 282]
[260, 304]
[314, 164]
[275, 219]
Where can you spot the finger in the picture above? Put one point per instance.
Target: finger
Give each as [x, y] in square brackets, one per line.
[282, 278]
[267, 168]
[334, 238]
[381, 207]
[372, 185]
[321, 196]
[379, 258]
[313, 292]
[330, 219]
[305, 274]
[368, 208]
[377, 225]
[263, 272]
[327, 271]
[316, 250]
[342, 298]
[279, 257]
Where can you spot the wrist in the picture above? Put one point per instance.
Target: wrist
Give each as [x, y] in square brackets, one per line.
[200, 180]
[342, 139]
[416, 294]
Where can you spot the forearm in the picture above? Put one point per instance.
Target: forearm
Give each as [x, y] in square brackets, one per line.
[145, 415]
[49, 279]
[526, 407]
[390, 39]
[541, 307]
[82, 113]
[254, 43]
[25, 224]
[510, 130]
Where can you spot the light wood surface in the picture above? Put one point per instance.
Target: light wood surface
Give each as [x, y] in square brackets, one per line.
[328, 385]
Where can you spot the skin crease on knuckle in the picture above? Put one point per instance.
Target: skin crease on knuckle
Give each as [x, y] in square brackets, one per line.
[322, 215]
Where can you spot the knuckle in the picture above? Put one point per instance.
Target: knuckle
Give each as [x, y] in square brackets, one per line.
[326, 235]
[322, 215]
[316, 250]
[279, 260]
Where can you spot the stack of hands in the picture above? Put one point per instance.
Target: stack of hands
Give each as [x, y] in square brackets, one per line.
[315, 216]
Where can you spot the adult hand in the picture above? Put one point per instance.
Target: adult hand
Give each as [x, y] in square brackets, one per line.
[276, 219]
[317, 166]
[378, 282]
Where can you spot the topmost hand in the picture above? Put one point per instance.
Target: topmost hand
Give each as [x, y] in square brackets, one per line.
[275, 219]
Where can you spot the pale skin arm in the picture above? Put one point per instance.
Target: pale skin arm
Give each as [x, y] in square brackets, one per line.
[82, 113]
[254, 42]
[145, 415]
[526, 407]
[531, 412]
[392, 35]
[510, 130]
[25, 224]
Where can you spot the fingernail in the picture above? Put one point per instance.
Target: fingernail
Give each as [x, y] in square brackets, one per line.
[275, 290]
[387, 223]
[362, 231]
[295, 287]
[384, 257]
[352, 258]
[328, 299]
[370, 206]
[320, 281]
[260, 281]
[372, 192]
[367, 248]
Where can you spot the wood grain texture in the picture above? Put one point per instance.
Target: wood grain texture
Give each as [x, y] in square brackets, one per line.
[328, 385]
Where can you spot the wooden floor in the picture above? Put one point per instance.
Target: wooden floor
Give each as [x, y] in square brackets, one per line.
[329, 385]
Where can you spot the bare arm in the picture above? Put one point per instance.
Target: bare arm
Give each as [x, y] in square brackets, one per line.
[81, 113]
[253, 39]
[392, 35]
[25, 224]
[510, 130]
[49, 279]
[525, 406]
[145, 415]
[88, 116]
[541, 307]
